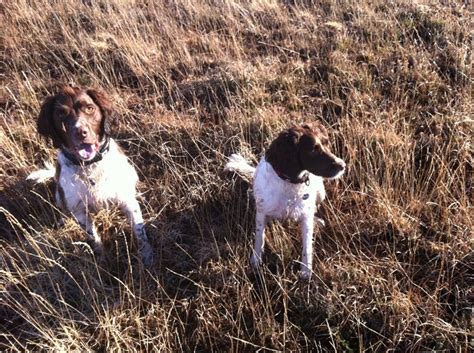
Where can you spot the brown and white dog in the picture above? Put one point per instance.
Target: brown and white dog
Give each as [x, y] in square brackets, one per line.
[92, 171]
[288, 183]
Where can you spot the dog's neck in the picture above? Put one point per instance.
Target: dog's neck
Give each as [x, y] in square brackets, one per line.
[301, 178]
[103, 150]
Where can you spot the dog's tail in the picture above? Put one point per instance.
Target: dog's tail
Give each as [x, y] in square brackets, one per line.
[238, 164]
[42, 175]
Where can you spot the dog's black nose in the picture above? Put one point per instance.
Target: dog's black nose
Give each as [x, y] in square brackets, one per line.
[339, 164]
[82, 132]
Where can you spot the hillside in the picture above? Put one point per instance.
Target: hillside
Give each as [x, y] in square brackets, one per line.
[193, 82]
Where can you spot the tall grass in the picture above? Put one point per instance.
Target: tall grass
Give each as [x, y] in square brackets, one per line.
[193, 82]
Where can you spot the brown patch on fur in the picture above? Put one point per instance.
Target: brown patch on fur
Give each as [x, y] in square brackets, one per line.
[302, 148]
[105, 106]
[60, 112]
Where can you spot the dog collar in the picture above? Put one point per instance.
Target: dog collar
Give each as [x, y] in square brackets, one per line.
[303, 179]
[104, 148]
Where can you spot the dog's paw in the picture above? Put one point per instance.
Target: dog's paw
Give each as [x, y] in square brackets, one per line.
[97, 248]
[305, 272]
[92, 247]
[305, 275]
[320, 221]
[144, 247]
[146, 253]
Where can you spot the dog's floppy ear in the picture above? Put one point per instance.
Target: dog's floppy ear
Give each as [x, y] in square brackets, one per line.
[105, 105]
[283, 153]
[46, 125]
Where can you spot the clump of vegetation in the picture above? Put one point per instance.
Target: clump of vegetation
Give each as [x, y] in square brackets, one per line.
[193, 82]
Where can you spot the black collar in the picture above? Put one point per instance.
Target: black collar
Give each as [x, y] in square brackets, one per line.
[104, 148]
[303, 179]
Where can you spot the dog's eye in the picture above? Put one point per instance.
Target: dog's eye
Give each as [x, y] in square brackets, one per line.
[89, 109]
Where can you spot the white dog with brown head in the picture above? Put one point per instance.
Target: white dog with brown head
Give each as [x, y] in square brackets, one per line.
[288, 183]
[92, 171]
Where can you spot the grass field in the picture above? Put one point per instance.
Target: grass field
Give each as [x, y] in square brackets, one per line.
[193, 82]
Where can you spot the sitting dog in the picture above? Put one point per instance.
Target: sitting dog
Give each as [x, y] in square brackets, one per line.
[288, 183]
[91, 170]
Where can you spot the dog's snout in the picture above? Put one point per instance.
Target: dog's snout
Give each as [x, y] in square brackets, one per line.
[340, 164]
[82, 132]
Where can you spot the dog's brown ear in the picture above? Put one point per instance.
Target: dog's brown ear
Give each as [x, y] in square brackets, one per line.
[105, 105]
[318, 130]
[283, 153]
[46, 125]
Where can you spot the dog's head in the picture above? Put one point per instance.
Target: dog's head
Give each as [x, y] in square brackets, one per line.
[75, 119]
[304, 148]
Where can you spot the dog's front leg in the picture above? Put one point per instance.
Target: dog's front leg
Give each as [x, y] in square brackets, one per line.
[307, 225]
[134, 213]
[85, 221]
[260, 222]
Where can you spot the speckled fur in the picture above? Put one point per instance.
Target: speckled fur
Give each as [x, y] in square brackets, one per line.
[280, 199]
[277, 198]
[83, 190]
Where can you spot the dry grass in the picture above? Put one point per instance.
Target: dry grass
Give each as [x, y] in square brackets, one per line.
[193, 82]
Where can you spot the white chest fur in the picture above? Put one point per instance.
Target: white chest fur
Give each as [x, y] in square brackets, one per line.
[111, 180]
[280, 199]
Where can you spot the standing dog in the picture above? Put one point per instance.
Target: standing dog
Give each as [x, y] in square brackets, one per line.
[288, 183]
[91, 170]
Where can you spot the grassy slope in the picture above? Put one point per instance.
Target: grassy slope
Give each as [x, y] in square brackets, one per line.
[193, 83]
